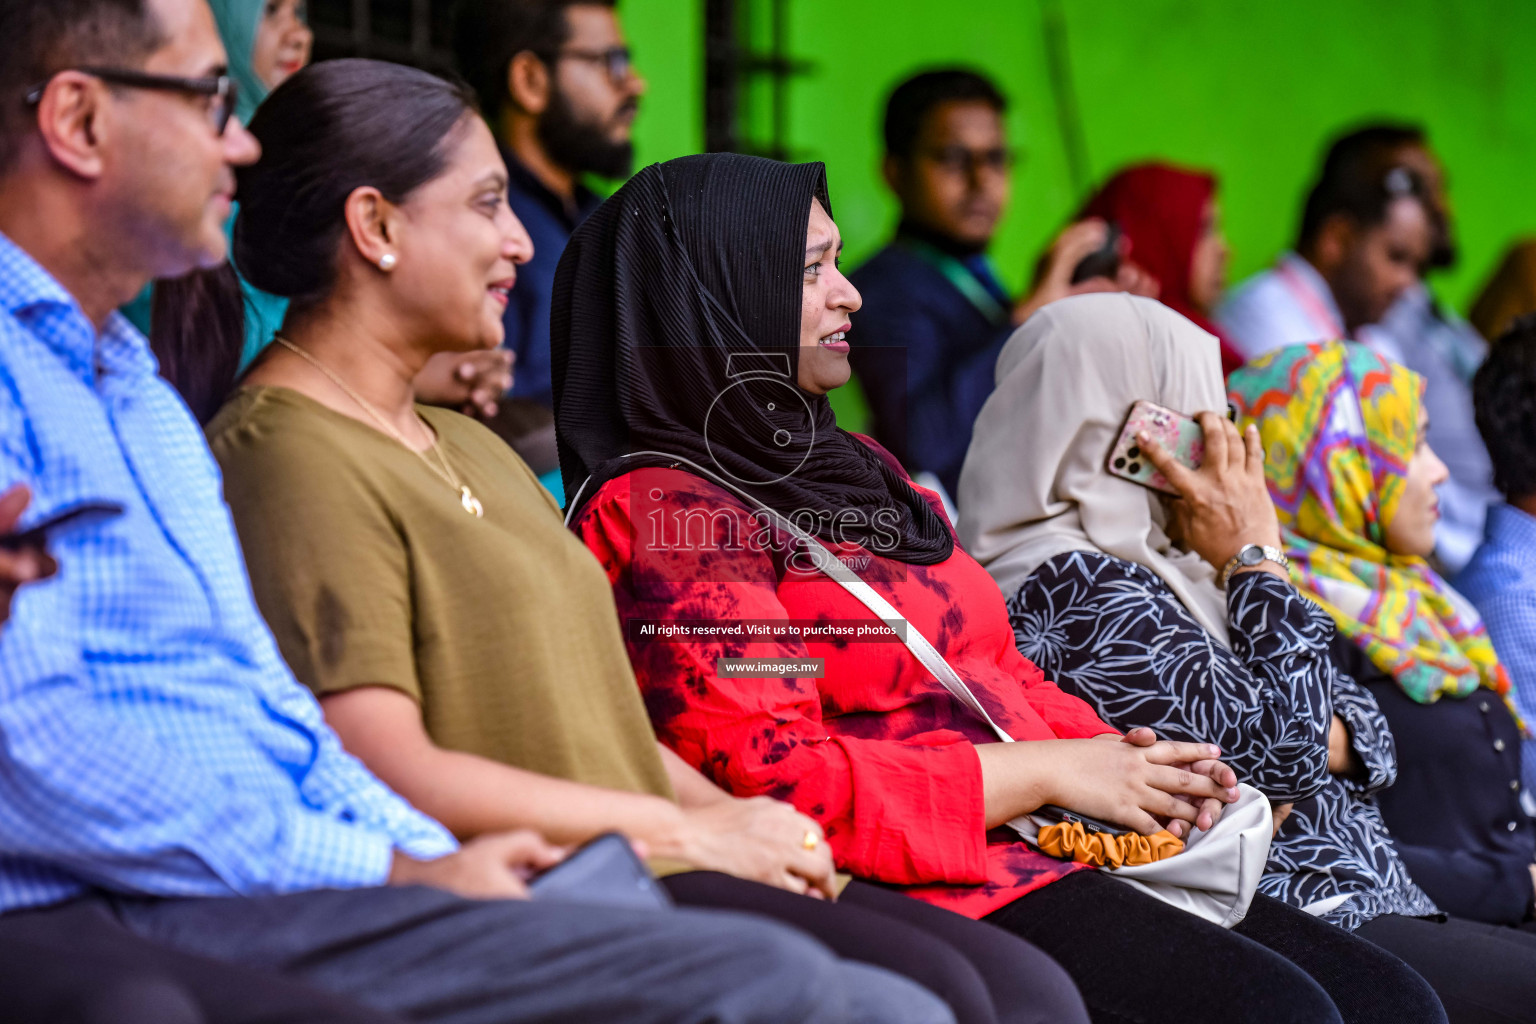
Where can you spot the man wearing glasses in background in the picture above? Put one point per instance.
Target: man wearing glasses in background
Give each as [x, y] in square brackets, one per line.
[556, 84]
[935, 315]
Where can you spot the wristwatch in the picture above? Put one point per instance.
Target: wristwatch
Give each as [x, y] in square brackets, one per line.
[1250, 555]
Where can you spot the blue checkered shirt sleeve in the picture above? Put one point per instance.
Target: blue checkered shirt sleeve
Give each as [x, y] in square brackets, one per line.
[151, 739]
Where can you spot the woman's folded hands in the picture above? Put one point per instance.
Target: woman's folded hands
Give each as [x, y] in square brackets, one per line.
[1137, 780]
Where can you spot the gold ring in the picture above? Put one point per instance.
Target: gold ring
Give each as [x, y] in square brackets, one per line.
[811, 840]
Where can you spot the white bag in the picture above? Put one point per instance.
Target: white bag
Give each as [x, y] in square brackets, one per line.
[1216, 874]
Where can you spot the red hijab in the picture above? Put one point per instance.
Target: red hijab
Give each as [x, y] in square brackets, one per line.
[1161, 211]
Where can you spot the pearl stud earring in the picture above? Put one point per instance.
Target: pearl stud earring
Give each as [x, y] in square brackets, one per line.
[387, 261]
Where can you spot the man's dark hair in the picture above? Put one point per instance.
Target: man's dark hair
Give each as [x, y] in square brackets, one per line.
[1360, 178]
[487, 34]
[40, 38]
[1372, 150]
[1504, 401]
[912, 100]
[1371, 145]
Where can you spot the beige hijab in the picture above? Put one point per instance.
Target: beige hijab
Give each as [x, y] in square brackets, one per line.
[1034, 484]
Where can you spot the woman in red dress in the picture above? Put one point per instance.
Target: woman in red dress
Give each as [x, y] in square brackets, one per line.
[691, 366]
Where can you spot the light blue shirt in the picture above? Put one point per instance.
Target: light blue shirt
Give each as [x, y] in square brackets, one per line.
[151, 739]
[1288, 304]
[1501, 581]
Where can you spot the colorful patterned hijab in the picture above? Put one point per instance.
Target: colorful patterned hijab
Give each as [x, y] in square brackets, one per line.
[1339, 426]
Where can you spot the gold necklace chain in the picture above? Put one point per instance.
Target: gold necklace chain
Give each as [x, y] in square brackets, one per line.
[467, 500]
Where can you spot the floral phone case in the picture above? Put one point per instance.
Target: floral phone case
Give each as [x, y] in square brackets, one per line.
[1177, 433]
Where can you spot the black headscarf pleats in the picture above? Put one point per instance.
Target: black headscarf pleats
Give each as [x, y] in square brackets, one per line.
[675, 328]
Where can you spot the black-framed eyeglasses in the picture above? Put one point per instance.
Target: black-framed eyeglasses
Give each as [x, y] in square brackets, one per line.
[221, 89]
[615, 60]
[960, 160]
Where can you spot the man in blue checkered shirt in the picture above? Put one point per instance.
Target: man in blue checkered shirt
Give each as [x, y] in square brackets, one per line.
[157, 758]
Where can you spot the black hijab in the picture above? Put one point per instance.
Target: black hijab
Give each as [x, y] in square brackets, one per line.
[675, 328]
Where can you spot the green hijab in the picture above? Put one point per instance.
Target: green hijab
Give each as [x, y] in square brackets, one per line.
[238, 22]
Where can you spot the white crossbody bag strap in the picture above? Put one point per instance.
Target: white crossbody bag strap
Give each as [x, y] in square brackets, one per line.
[918, 644]
[831, 565]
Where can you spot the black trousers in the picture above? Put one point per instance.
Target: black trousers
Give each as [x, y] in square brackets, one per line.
[432, 957]
[1484, 973]
[1137, 959]
[76, 964]
[985, 974]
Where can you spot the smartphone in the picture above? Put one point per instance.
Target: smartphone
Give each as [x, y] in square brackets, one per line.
[1103, 261]
[1179, 434]
[86, 513]
[1090, 825]
[604, 870]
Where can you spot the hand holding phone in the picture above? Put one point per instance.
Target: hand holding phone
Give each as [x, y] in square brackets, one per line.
[1225, 504]
[74, 517]
[1124, 785]
[491, 866]
[1176, 433]
[1090, 825]
[1056, 275]
[23, 564]
[1103, 261]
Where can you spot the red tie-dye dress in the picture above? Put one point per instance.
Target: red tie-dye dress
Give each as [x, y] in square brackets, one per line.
[876, 750]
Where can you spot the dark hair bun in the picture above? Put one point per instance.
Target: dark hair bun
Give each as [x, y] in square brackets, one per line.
[330, 129]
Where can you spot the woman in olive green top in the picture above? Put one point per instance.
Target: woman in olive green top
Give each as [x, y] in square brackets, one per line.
[464, 644]
[497, 632]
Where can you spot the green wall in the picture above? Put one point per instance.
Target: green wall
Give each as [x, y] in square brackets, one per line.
[667, 37]
[1248, 89]
[1251, 90]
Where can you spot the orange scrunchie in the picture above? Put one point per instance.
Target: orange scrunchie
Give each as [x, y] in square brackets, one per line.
[1070, 841]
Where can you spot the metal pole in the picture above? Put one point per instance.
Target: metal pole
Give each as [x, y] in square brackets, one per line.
[722, 58]
[1069, 118]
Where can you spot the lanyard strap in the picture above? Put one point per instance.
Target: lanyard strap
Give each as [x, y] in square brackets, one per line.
[921, 648]
[965, 282]
[1317, 311]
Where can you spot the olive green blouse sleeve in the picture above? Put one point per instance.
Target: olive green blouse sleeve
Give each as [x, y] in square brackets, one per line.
[328, 565]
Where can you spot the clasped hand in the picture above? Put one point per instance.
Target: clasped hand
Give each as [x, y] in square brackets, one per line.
[1146, 784]
[764, 840]
[473, 383]
[1207, 809]
[493, 866]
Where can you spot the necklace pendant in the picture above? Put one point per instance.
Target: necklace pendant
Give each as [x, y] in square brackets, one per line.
[471, 503]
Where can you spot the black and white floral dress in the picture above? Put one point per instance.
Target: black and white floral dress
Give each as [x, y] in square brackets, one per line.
[1114, 634]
